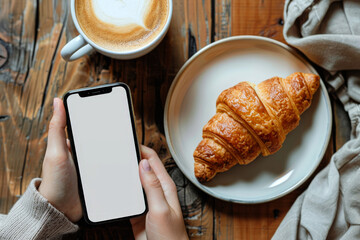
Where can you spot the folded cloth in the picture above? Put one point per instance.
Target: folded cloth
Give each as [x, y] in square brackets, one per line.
[328, 33]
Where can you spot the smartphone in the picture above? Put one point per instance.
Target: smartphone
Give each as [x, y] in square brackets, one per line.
[101, 130]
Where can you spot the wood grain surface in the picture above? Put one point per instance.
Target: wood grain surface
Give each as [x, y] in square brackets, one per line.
[32, 73]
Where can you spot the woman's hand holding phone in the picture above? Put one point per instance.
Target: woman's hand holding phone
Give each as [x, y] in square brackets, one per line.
[59, 185]
[164, 219]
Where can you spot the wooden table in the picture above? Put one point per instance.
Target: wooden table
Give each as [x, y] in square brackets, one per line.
[32, 73]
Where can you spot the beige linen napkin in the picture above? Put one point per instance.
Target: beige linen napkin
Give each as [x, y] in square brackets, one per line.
[328, 33]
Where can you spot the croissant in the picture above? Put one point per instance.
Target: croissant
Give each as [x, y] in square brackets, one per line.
[252, 119]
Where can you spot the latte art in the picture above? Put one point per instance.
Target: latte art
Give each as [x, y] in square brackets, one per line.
[122, 13]
[121, 25]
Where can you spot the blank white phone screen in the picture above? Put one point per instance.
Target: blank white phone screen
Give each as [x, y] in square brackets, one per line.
[106, 155]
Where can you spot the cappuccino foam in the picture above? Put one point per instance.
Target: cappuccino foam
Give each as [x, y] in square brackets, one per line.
[121, 25]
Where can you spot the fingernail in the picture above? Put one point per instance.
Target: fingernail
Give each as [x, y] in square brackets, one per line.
[145, 165]
[56, 104]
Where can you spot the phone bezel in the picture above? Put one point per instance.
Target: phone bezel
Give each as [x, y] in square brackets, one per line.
[87, 92]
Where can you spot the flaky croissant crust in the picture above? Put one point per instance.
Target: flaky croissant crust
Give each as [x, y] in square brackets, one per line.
[252, 119]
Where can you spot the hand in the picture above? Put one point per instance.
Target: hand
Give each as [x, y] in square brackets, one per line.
[59, 185]
[164, 219]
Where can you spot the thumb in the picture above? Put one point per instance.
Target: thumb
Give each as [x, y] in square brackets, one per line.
[56, 135]
[152, 186]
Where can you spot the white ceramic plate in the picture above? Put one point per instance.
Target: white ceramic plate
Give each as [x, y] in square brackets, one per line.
[191, 103]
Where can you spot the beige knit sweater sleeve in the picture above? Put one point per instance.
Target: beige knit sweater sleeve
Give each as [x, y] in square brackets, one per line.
[33, 217]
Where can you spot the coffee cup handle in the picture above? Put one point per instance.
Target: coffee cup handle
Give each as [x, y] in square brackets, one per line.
[76, 48]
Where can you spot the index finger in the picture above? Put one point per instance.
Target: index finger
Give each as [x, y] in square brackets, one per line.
[147, 152]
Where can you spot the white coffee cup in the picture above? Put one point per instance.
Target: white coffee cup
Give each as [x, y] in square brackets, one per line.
[82, 45]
